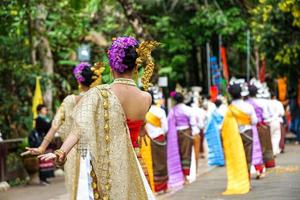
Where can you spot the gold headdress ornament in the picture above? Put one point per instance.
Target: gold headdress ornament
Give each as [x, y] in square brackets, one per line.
[144, 53]
[179, 88]
[97, 68]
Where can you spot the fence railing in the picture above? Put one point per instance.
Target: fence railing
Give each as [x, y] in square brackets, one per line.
[6, 147]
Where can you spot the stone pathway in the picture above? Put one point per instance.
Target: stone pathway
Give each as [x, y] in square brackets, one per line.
[281, 183]
[37, 192]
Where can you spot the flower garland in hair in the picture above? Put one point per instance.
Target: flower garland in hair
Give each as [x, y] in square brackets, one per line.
[144, 53]
[78, 70]
[116, 53]
[97, 69]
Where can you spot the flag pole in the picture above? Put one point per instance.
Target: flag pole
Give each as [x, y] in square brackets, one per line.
[220, 57]
[208, 66]
[248, 55]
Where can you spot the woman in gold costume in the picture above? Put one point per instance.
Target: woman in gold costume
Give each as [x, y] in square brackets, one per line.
[109, 117]
[87, 77]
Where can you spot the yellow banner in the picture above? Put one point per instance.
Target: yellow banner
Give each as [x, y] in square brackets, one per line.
[37, 98]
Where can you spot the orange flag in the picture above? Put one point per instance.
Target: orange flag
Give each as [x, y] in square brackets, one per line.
[282, 88]
[224, 64]
[262, 71]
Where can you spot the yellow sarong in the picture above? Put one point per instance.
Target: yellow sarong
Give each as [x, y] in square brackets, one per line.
[236, 164]
[146, 152]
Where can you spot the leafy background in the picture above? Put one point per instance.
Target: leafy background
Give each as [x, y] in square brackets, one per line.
[182, 26]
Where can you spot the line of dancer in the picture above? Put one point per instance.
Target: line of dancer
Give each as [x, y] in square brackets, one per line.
[119, 142]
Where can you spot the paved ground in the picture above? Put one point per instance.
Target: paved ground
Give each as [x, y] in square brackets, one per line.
[37, 192]
[282, 183]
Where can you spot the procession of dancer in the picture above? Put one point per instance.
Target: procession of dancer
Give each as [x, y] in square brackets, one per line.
[122, 142]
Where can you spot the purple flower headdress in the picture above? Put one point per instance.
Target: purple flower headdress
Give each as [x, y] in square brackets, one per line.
[78, 70]
[116, 53]
[173, 94]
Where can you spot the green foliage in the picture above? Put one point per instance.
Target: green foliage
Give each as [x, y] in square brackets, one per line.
[67, 24]
[276, 26]
[182, 28]
[211, 21]
[17, 74]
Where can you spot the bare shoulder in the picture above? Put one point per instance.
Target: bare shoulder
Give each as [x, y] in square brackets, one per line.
[147, 96]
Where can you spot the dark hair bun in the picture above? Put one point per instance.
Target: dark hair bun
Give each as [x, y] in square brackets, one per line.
[218, 103]
[87, 74]
[178, 97]
[235, 91]
[130, 58]
[252, 90]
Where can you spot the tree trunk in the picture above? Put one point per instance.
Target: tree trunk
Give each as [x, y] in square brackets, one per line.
[200, 66]
[194, 70]
[45, 54]
[134, 19]
[30, 27]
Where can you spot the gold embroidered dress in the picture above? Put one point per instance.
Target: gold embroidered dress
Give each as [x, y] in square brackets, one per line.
[99, 117]
[63, 121]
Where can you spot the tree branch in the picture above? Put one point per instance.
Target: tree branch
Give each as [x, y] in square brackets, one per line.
[134, 19]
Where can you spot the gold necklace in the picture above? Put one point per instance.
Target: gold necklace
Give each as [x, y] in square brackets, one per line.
[125, 81]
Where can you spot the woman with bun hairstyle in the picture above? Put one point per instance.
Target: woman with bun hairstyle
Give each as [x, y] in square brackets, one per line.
[237, 141]
[182, 127]
[87, 77]
[157, 127]
[110, 118]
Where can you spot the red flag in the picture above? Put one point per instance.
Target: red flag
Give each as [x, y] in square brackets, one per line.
[224, 64]
[214, 93]
[262, 71]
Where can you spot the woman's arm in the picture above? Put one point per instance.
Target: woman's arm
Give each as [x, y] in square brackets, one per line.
[164, 121]
[46, 141]
[70, 142]
[83, 115]
[61, 154]
[143, 130]
[55, 125]
[193, 121]
[48, 138]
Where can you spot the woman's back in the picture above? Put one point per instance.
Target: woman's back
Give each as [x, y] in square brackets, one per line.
[135, 102]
